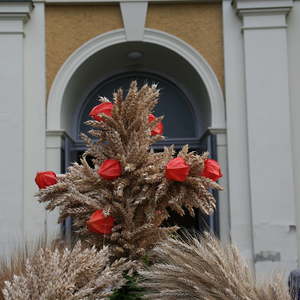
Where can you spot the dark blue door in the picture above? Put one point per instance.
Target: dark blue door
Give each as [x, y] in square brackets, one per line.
[180, 128]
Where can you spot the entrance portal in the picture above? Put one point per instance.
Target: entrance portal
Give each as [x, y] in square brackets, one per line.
[191, 98]
[180, 127]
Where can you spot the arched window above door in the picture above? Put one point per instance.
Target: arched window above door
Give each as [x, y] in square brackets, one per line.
[179, 117]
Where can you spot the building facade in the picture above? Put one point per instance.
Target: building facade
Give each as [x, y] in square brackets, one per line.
[229, 75]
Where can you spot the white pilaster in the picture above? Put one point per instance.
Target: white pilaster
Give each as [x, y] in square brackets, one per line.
[224, 209]
[269, 132]
[54, 144]
[238, 168]
[34, 120]
[294, 75]
[12, 19]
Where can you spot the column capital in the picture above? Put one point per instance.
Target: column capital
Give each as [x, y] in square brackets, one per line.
[243, 6]
[263, 14]
[13, 15]
[16, 10]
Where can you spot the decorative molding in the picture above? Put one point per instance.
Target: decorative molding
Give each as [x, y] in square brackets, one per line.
[244, 5]
[199, 63]
[157, 37]
[20, 10]
[13, 15]
[263, 14]
[217, 130]
[262, 27]
[59, 133]
[134, 19]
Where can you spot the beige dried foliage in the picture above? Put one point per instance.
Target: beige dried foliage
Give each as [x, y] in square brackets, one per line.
[204, 269]
[15, 263]
[9, 268]
[80, 273]
[139, 199]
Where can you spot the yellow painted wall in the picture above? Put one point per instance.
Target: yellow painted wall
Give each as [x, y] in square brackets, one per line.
[69, 26]
[200, 25]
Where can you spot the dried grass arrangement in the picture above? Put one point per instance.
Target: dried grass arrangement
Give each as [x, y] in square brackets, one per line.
[9, 268]
[15, 263]
[202, 268]
[60, 273]
[127, 181]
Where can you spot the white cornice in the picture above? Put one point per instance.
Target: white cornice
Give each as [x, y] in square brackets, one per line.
[247, 6]
[13, 15]
[217, 130]
[263, 14]
[15, 10]
[58, 133]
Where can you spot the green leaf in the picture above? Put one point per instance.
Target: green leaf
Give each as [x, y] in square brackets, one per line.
[129, 291]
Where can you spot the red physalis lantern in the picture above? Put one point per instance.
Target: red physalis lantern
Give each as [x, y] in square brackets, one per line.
[212, 170]
[177, 169]
[103, 108]
[110, 169]
[100, 223]
[159, 128]
[44, 179]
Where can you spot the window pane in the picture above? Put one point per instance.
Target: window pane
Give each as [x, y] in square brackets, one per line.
[179, 121]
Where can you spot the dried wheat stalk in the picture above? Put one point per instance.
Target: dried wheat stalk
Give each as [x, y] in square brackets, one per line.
[202, 268]
[139, 199]
[80, 273]
[10, 268]
[15, 264]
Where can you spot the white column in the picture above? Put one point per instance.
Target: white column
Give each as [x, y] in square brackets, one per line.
[238, 168]
[34, 120]
[12, 18]
[221, 149]
[294, 75]
[269, 132]
[223, 196]
[53, 153]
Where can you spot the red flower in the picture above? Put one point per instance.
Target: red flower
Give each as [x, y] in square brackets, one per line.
[159, 128]
[177, 169]
[99, 223]
[103, 108]
[212, 170]
[44, 179]
[110, 169]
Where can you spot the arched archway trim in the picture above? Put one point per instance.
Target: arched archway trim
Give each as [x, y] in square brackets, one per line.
[102, 41]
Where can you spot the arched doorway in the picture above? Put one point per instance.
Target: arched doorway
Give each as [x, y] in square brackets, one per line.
[191, 97]
[180, 127]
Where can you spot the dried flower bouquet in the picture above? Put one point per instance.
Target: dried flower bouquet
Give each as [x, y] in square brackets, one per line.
[124, 197]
